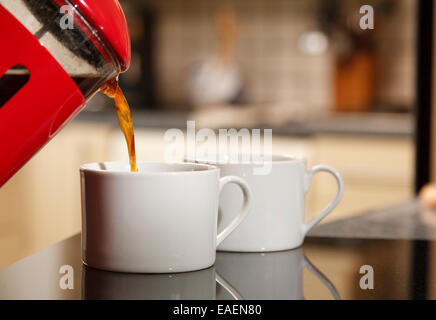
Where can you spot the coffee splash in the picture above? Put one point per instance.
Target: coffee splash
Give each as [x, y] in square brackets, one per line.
[113, 90]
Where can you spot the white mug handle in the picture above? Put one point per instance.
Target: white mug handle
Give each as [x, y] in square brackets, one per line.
[245, 207]
[333, 203]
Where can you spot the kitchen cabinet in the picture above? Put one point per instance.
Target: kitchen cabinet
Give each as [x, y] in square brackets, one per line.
[377, 170]
[40, 205]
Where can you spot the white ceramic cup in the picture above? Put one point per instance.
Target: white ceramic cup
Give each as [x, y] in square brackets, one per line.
[276, 220]
[162, 219]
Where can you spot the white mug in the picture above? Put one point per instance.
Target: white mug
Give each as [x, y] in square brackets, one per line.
[268, 276]
[197, 285]
[162, 219]
[276, 220]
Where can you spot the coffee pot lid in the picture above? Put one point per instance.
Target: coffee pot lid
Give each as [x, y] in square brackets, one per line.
[108, 18]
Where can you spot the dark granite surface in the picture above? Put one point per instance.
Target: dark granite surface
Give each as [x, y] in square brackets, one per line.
[404, 221]
[396, 243]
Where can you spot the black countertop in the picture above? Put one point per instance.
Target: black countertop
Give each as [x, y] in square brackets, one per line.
[396, 246]
[408, 221]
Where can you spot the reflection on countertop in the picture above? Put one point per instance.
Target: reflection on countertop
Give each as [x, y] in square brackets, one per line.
[322, 269]
[385, 124]
[327, 266]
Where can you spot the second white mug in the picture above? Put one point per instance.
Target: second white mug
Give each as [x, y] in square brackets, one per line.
[276, 219]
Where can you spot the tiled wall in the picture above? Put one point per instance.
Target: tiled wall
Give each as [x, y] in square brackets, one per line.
[275, 70]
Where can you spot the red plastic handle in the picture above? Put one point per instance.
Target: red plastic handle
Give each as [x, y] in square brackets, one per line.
[49, 99]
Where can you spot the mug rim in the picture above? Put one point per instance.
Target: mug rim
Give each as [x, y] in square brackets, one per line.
[275, 159]
[207, 168]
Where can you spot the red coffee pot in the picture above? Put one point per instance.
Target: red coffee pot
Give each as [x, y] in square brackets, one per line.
[54, 55]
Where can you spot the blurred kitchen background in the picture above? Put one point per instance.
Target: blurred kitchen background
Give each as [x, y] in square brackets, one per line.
[331, 92]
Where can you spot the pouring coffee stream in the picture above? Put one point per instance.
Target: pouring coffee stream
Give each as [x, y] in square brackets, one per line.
[113, 90]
